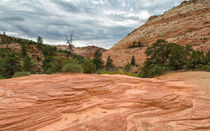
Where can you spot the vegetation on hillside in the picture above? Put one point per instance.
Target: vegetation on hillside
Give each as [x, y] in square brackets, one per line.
[135, 44]
[48, 59]
[162, 57]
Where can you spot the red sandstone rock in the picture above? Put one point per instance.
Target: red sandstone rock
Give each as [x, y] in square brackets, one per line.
[177, 101]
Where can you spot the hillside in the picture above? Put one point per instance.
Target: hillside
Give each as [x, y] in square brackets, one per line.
[22, 55]
[87, 51]
[188, 23]
[58, 102]
[15, 44]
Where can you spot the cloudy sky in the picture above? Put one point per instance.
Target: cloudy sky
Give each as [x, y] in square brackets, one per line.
[93, 22]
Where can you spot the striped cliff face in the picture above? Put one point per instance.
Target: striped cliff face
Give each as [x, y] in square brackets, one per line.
[188, 23]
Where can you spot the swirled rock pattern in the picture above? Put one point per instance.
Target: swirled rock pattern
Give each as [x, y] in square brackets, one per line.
[78, 102]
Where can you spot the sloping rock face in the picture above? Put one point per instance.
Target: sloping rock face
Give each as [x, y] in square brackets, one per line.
[105, 103]
[188, 23]
[87, 51]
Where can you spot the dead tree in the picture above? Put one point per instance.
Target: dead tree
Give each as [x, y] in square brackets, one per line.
[69, 40]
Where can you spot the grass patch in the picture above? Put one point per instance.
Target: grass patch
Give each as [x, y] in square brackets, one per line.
[21, 74]
[117, 72]
[72, 68]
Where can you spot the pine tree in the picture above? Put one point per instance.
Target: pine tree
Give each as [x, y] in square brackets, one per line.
[39, 42]
[23, 51]
[133, 61]
[109, 64]
[10, 65]
[27, 64]
[98, 59]
[128, 67]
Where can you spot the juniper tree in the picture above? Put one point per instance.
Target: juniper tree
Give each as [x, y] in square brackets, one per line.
[133, 61]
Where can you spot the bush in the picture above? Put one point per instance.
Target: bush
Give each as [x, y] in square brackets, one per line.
[72, 68]
[135, 44]
[152, 71]
[20, 74]
[109, 64]
[1, 77]
[196, 59]
[56, 65]
[89, 66]
[127, 67]
[206, 68]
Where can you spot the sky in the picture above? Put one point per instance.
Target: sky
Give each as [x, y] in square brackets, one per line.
[92, 22]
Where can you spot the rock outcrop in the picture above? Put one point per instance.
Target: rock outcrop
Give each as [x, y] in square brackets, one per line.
[58, 102]
[188, 23]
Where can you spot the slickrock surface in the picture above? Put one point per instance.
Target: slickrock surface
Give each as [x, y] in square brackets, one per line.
[188, 23]
[177, 101]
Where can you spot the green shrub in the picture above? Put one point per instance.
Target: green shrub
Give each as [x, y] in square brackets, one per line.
[89, 66]
[127, 67]
[72, 68]
[152, 71]
[109, 64]
[23, 51]
[1, 77]
[206, 59]
[56, 65]
[118, 72]
[135, 44]
[196, 60]
[10, 65]
[20, 74]
[206, 68]
[27, 64]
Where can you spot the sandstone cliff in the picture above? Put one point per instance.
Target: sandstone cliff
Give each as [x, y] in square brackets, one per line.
[188, 23]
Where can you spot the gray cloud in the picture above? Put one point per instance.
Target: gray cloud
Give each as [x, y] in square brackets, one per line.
[93, 22]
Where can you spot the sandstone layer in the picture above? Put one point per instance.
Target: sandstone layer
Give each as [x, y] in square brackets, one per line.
[77, 102]
[188, 23]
